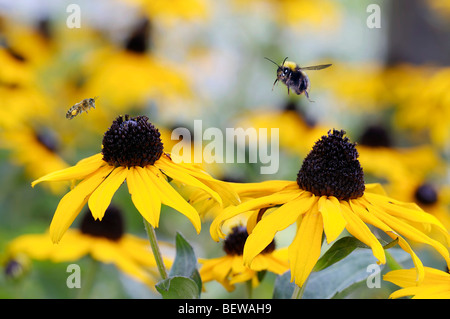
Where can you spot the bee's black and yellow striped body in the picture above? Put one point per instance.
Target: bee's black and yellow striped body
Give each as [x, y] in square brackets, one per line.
[80, 107]
[294, 78]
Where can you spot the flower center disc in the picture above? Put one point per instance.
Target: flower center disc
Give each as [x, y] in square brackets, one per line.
[235, 241]
[111, 226]
[132, 141]
[332, 168]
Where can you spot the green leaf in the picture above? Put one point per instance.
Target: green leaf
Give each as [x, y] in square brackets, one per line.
[184, 279]
[178, 287]
[185, 263]
[339, 250]
[283, 288]
[342, 276]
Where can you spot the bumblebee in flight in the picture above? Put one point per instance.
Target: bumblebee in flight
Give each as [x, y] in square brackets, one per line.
[81, 107]
[293, 76]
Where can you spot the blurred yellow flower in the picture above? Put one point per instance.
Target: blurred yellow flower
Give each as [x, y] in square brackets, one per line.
[296, 133]
[425, 106]
[324, 14]
[399, 169]
[132, 77]
[230, 269]
[36, 151]
[105, 241]
[170, 11]
[436, 284]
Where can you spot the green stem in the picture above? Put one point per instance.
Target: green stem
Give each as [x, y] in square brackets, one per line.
[249, 289]
[391, 262]
[155, 248]
[298, 292]
[87, 281]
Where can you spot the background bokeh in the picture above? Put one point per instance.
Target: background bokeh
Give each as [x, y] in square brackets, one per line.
[180, 61]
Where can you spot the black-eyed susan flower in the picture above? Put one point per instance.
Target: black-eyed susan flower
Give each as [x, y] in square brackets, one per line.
[329, 196]
[131, 150]
[230, 269]
[105, 241]
[435, 285]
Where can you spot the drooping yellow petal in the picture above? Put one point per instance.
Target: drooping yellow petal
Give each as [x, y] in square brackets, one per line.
[427, 292]
[405, 246]
[253, 204]
[304, 251]
[184, 167]
[171, 198]
[267, 227]
[72, 203]
[110, 253]
[264, 187]
[186, 178]
[73, 246]
[79, 171]
[410, 232]
[225, 191]
[359, 229]
[100, 199]
[144, 194]
[333, 222]
[415, 215]
[371, 218]
[375, 188]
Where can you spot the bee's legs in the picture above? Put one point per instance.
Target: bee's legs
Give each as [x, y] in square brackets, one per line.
[307, 96]
[288, 90]
[276, 80]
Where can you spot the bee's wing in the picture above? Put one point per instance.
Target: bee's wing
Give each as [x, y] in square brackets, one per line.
[316, 67]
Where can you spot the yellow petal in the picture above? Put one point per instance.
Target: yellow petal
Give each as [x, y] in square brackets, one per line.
[100, 199]
[265, 187]
[359, 229]
[268, 226]
[39, 246]
[415, 215]
[109, 252]
[410, 232]
[171, 198]
[402, 277]
[72, 203]
[333, 222]
[417, 262]
[79, 171]
[144, 194]
[225, 191]
[186, 178]
[375, 188]
[253, 204]
[304, 251]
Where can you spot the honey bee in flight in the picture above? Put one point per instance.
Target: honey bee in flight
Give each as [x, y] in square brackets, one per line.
[81, 107]
[292, 75]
